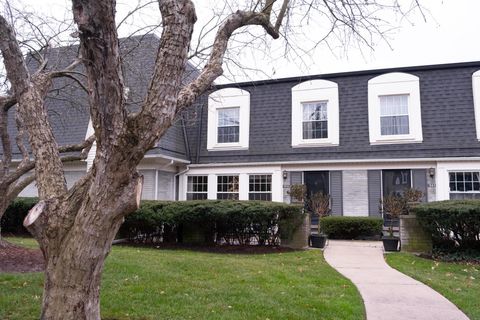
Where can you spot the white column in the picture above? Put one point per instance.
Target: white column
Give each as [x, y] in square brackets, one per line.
[182, 188]
[243, 180]
[277, 186]
[212, 187]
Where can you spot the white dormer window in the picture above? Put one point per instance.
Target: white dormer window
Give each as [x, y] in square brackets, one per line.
[394, 111]
[476, 100]
[228, 119]
[315, 114]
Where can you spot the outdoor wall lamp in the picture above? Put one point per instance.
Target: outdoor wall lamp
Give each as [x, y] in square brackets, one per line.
[431, 172]
[285, 174]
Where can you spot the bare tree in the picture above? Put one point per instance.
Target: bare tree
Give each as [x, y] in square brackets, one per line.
[75, 227]
[35, 42]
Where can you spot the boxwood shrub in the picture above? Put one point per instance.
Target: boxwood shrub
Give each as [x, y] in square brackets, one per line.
[351, 227]
[220, 221]
[12, 220]
[452, 223]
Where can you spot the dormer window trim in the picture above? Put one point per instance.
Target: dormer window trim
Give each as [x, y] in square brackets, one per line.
[394, 84]
[228, 98]
[308, 93]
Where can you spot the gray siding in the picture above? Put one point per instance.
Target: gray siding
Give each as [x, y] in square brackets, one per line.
[336, 192]
[296, 177]
[165, 185]
[374, 192]
[355, 193]
[447, 119]
[419, 181]
[148, 192]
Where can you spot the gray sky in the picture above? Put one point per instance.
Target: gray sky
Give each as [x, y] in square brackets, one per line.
[449, 35]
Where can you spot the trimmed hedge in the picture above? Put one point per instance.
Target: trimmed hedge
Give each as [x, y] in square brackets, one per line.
[12, 220]
[220, 221]
[351, 227]
[452, 223]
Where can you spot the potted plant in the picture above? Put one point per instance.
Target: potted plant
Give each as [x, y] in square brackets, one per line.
[412, 199]
[394, 206]
[318, 204]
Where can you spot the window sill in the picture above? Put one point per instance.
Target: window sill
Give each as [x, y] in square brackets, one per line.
[313, 144]
[227, 147]
[393, 140]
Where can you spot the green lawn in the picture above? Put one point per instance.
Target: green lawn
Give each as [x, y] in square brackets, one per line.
[143, 283]
[459, 282]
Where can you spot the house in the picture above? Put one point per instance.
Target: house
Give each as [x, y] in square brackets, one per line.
[355, 135]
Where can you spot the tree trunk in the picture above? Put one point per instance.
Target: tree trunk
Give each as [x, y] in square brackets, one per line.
[73, 275]
[75, 237]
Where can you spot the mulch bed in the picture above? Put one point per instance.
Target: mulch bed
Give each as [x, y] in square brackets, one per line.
[14, 258]
[229, 249]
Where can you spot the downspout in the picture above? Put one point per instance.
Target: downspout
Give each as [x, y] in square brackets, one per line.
[199, 135]
[177, 196]
[185, 140]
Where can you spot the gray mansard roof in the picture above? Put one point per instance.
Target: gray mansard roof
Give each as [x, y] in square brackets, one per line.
[67, 103]
[447, 112]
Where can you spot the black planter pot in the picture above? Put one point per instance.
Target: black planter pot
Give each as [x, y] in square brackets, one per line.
[318, 240]
[390, 244]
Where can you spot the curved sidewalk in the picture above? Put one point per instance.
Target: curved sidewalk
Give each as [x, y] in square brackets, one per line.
[386, 292]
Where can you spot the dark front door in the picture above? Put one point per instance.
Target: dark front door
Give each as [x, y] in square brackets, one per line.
[316, 181]
[396, 181]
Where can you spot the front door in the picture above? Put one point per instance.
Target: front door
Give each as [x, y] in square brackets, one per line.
[316, 181]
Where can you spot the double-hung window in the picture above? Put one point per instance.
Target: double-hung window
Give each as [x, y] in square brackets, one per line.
[228, 125]
[315, 120]
[394, 115]
[464, 185]
[227, 187]
[315, 114]
[197, 187]
[394, 109]
[228, 120]
[260, 187]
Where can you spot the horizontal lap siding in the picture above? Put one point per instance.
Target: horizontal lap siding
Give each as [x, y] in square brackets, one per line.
[355, 193]
[165, 185]
[374, 192]
[420, 181]
[336, 192]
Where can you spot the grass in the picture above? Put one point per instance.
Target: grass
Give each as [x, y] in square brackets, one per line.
[458, 282]
[145, 283]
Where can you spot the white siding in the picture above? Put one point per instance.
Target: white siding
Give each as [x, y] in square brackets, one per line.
[355, 193]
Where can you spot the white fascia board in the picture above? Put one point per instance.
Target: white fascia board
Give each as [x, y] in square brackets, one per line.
[476, 100]
[333, 161]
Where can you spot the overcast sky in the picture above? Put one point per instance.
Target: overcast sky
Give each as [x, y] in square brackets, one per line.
[450, 34]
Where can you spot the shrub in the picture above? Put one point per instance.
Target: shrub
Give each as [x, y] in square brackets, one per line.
[233, 222]
[452, 223]
[351, 227]
[12, 220]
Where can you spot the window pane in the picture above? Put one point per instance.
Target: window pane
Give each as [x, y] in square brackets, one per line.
[228, 134]
[394, 105]
[197, 187]
[227, 187]
[394, 125]
[228, 117]
[315, 129]
[260, 187]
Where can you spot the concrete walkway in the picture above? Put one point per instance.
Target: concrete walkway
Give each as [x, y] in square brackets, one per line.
[387, 293]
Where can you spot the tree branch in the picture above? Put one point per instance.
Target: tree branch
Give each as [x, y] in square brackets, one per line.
[213, 69]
